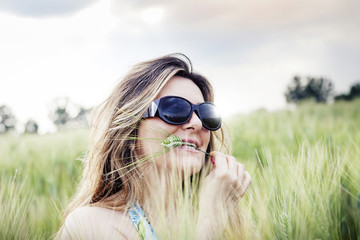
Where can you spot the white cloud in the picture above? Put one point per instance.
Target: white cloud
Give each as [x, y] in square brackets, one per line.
[45, 58]
[250, 50]
[152, 15]
[44, 8]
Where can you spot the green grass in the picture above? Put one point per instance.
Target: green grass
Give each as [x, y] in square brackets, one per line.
[37, 176]
[305, 168]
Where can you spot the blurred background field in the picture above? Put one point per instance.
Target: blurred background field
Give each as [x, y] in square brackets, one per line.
[304, 163]
[60, 58]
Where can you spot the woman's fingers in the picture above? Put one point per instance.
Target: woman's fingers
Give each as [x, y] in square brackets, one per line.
[231, 173]
[246, 183]
[240, 173]
[233, 166]
[221, 164]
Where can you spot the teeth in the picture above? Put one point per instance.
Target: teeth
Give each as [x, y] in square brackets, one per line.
[190, 147]
[193, 145]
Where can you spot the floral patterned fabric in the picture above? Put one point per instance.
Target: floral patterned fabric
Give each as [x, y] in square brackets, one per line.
[141, 223]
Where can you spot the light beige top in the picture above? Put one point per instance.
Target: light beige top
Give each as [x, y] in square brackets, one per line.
[98, 223]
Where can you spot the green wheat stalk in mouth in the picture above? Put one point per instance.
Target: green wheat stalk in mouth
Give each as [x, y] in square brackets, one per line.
[174, 141]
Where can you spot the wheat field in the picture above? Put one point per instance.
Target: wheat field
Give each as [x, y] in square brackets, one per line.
[304, 163]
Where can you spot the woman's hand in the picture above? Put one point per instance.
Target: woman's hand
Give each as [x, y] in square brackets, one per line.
[220, 193]
[227, 181]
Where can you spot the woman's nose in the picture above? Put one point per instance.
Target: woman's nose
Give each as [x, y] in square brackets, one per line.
[194, 122]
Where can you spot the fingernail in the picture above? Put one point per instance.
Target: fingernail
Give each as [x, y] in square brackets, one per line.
[212, 160]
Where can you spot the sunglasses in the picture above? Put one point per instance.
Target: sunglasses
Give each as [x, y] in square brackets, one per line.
[177, 110]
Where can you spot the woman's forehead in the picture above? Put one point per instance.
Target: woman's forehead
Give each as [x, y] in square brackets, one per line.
[182, 87]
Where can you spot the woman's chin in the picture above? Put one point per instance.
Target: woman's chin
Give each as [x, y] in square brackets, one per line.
[183, 162]
[191, 166]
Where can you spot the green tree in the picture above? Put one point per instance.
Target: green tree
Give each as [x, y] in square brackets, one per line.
[31, 127]
[353, 93]
[319, 89]
[355, 90]
[60, 112]
[7, 119]
[67, 115]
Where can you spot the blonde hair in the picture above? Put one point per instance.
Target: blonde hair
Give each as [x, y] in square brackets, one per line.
[107, 181]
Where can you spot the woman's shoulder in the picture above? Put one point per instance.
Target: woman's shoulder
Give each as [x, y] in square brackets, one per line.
[98, 223]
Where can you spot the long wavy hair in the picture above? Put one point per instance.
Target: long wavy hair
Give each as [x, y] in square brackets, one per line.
[107, 181]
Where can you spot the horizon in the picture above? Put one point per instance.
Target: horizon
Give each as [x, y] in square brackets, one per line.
[249, 51]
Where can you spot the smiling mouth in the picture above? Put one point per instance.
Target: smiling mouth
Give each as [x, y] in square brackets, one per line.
[190, 145]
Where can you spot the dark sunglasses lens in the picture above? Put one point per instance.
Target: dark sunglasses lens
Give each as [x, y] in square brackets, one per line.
[175, 110]
[210, 116]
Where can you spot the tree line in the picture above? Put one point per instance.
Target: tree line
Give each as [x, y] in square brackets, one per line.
[319, 89]
[63, 113]
[66, 115]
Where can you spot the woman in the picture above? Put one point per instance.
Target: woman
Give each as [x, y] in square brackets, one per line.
[133, 176]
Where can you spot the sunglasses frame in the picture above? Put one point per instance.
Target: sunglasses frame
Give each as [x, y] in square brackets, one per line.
[153, 111]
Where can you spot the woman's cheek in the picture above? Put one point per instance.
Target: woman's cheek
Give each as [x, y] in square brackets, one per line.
[162, 129]
[150, 129]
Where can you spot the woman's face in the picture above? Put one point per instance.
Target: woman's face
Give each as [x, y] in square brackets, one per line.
[152, 131]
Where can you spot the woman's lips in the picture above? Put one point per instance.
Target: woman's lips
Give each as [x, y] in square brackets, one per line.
[188, 148]
[192, 142]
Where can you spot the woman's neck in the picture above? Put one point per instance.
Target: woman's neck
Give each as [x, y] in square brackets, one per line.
[166, 202]
[160, 190]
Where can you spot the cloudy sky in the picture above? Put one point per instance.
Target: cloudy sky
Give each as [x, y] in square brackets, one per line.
[249, 50]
